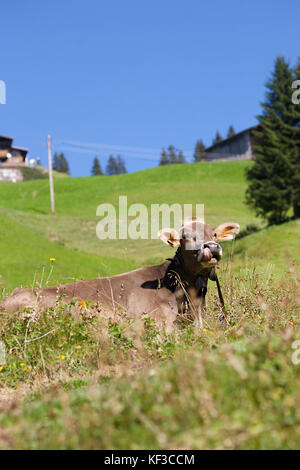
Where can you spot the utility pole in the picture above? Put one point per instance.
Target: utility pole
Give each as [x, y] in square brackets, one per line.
[50, 175]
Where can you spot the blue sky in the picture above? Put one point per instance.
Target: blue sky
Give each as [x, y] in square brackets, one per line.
[133, 77]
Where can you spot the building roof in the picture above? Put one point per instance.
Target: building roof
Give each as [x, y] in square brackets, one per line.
[6, 137]
[23, 149]
[230, 139]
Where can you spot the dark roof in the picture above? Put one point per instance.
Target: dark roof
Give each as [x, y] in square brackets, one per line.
[6, 137]
[230, 139]
[23, 149]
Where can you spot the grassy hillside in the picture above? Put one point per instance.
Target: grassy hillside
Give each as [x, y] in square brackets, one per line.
[219, 186]
[25, 256]
[74, 378]
[270, 250]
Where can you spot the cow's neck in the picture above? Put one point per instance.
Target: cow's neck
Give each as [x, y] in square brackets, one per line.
[184, 284]
[177, 274]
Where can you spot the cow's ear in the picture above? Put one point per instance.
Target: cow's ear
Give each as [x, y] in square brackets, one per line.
[170, 236]
[226, 231]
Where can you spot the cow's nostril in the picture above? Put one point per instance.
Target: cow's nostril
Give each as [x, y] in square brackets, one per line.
[215, 249]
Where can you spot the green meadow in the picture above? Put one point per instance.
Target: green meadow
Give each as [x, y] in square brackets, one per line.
[31, 235]
[79, 378]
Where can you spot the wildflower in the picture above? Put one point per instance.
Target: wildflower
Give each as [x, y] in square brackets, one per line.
[87, 372]
[133, 352]
[212, 333]
[204, 330]
[58, 366]
[283, 299]
[62, 357]
[52, 259]
[24, 369]
[22, 364]
[1, 367]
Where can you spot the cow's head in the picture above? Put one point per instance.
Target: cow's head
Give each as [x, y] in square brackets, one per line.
[199, 242]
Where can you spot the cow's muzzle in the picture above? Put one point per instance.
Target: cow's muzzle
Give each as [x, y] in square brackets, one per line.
[210, 251]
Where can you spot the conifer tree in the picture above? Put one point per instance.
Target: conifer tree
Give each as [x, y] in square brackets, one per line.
[96, 168]
[199, 154]
[269, 191]
[60, 163]
[172, 154]
[111, 167]
[181, 157]
[231, 132]
[121, 167]
[294, 139]
[164, 159]
[115, 166]
[218, 138]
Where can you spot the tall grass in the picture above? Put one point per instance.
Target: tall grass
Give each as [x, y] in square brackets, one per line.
[79, 377]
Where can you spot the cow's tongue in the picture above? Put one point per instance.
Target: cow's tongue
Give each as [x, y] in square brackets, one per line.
[207, 256]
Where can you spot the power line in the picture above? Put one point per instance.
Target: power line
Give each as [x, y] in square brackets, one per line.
[138, 153]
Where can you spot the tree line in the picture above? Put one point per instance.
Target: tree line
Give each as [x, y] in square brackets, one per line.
[115, 165]
[171, 155]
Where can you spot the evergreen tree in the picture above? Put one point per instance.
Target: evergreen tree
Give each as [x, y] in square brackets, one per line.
[218, 138]
[111, 167]
[164, 159]
[294, 141]
[121, 168]
[181, 157]
[199, 154]
[269, 191]
[60, 163]
[96, 168]
[172, 154]
[231, 132]
[115, 166]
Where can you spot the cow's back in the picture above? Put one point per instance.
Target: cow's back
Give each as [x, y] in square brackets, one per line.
[111, 292]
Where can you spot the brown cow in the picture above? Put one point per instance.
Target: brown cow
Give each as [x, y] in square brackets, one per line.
[174, 287]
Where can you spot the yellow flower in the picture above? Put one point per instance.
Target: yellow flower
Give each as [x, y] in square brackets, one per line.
[24, 369]
[212, 333]
[204, 330]
[52, 259]
[87, 371]
[1, 367]
[62, 357]
[22, 364]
